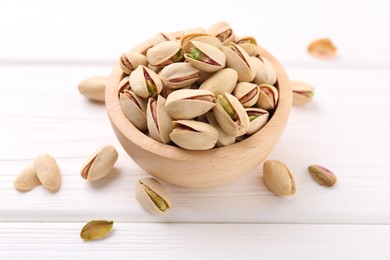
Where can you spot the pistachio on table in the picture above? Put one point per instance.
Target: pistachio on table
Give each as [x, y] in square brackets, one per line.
[48, 172]
[278, 178]
[322, 175]
[94, 88]
[152, 195]
[100, 163]
[302, 92]
[95, 229]
[27, 179]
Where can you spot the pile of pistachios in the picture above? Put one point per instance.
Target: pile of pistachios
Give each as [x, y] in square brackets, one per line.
[198, 88]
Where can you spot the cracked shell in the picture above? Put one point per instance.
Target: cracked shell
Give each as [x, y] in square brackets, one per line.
[200, 37]
[205, 56]
[258, 117]
[249, 44]
[158, 120]
[134, 109]
[268, 97]
[145, 82]
[130, 60]
[220, 82]
[152, 196]
[239, 60]
[247, 93]
[179, 75]
[165, 53]
[223, 31]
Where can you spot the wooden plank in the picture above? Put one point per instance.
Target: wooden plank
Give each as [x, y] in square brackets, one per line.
[196, 241]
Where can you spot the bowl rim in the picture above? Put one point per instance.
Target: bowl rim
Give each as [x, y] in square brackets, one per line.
[118, 118]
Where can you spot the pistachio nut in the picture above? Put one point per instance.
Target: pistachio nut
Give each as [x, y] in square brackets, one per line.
[200, 37]
[134, 109]
[145, 82]
[163, 37]
[100, 163]
[247, 93]
[205, 56]
[258, 118]
[322, 175]
[130, 60]
[194, 135]
[265, 72]
[223, 31]
[302, 92]
[278, 178]
[95, 229]
[179, 75]
[249, 44]
[165, 53]
[123, 85]
[48, 172]
[93, 88]
[268, 97]
[159, 122]
[239, 60]
[189, 103]
[27, 179]
[224, 138]
[231, 115]
[152, 195]
[220, 82]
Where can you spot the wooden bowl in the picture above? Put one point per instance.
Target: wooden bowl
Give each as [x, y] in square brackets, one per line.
[199, 169]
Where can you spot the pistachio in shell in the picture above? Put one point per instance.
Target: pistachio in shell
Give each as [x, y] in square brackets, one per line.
[220, 82]
[264, 70]
[179, 75]
[165, 53]
[200, 37]
[130, 60]
[239, 60]
[145, 82]
[205, 56]
[158, 120]
[268, 97]
[258, 117]
[278, 178]
[249, 44]
[152, 196]
[247, 93]
[134, 109]
[223, 31]
[302, 92]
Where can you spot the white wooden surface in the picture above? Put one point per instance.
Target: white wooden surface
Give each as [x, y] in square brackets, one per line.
[47, 47]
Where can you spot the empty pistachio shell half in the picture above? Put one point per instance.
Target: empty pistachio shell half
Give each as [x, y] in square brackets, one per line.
[239, 60]
[134, 109]
[268, 97]
[93, 88]
[179, 75]
[165, 53]
[258, 118]
[322, 175]
[27, 179]
[189, 103]
[194, 135]
[96, 229]
[231, 115]
[278, 178]
[249, 44]
[130, 60]
[100, 163]
[152, 195]
[205, 56]
[223, 137]
[159, 122]
[220, 82]
[247, 93]
[145, 82]
[265, 72]
[223, 31]
[302, 92]
[48, 172]
[200, 37]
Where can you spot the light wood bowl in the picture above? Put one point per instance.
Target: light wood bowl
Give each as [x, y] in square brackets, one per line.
[199, 169]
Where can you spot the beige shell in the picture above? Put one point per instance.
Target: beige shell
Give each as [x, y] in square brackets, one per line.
[27, 179]
[158, 120]
[144, 46]
[134, 108]
[179, 75]
[271, 72]
[200, 37]
[215, 58]
[239, 60]
[164, 53]
[163, 37]
[247, 93]
[130, 60]
[223, 31]
[145, 199]
[194, 30]
[189, 103]
[194, 135]
[48, 172]
[278, 178]
[268, 97]
[249, 44]
[302, 92]
[124, 85]
[238, 127]
[99, 163]
[257, 123]
[138, 82]
[223, 137]
[222, 81]
[94, 88]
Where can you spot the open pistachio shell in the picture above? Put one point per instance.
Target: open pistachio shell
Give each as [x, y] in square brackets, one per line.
[249, 44]
[189, 103]
[222, 81]
[239, 60]
[130, 60]
[163, 37]
[194, 135]
[200, 37]
[205, 56]
[258, 117]
[302, 92]
[231, 115]
[247, 93]
[134, 109]
[223, 137]
[152, 196]
[164, 53]
[124, 85]
[145, 82]
[223, 31]
[268, 97]
[179, 75]
[158, 120]
[278, 178]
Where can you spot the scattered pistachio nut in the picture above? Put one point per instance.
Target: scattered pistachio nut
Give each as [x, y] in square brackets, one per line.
[100, 163]
[278, 178]
[302, 92]
[95, 229]
[27, 179]
[322, 48]
[94, 88]
[48, 172]
[152, 195]
[322, 175]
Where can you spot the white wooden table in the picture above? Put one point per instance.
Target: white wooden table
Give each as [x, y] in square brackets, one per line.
[48, 47]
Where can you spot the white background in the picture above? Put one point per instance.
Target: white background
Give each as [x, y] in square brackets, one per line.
[48, 47]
